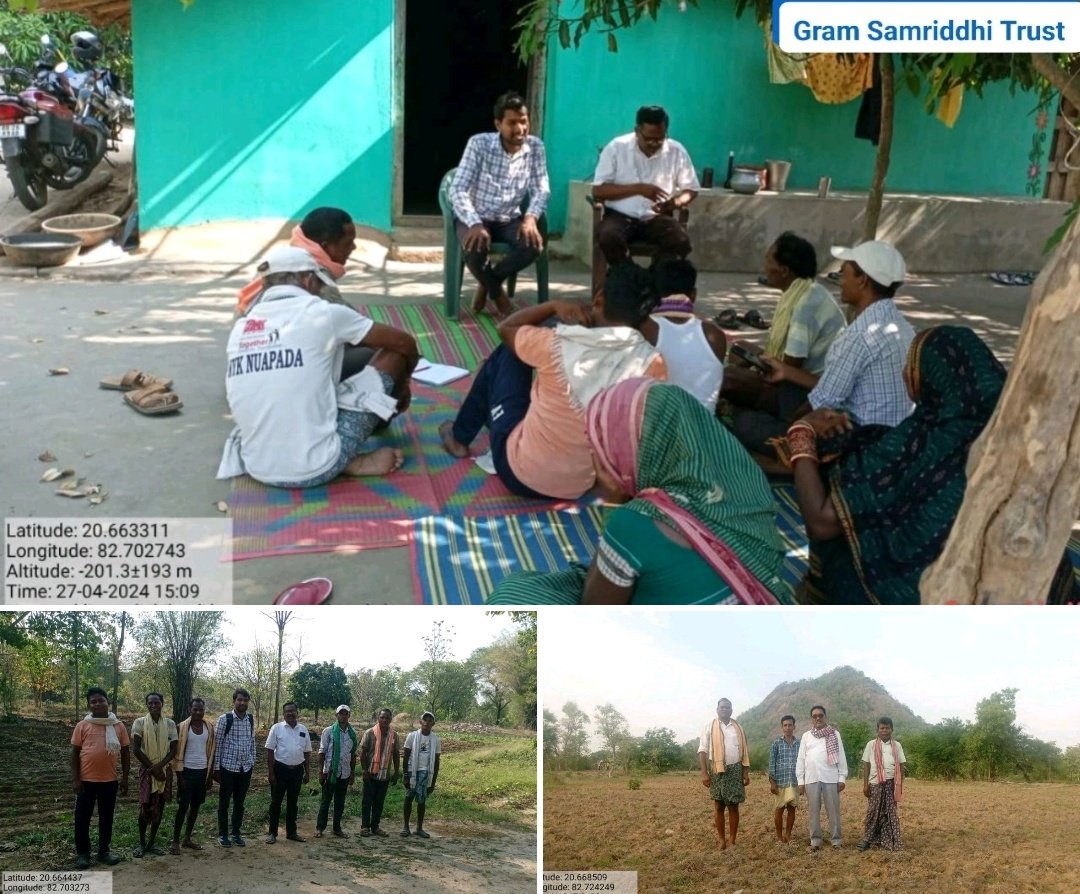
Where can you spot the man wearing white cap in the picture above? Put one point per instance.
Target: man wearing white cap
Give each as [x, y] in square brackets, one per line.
[864, 366]
[295, 425]
[337, 769]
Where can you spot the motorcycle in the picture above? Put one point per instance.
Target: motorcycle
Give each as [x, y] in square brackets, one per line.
[41, 142]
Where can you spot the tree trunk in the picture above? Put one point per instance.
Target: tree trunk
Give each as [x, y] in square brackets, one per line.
[1066, 83]
[1023, 490]
[116, 661]
[881, 162]
[76, 629]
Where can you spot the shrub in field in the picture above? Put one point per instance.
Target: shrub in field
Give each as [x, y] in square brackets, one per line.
[633, 783]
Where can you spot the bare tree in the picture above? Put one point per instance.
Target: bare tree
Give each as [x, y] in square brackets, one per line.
[280, 619]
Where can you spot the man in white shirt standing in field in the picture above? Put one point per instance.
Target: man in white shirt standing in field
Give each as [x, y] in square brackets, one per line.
[421, 753]
[821, 771]
[288, 747]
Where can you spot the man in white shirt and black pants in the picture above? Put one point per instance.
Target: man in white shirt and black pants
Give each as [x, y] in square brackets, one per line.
[421, 753]
[642, 178]
[288, 747]
[821, 771]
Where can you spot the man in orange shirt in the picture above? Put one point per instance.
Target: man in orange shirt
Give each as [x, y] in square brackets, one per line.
[95, 743]
[537, 424]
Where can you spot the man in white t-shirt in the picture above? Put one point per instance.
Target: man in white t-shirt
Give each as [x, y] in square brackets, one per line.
[194, 769]
[642, 178]
[288, 748]
[821, 770]
[295, 425]
[421, 754]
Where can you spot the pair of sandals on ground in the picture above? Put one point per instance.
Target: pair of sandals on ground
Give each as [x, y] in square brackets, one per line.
[731, 319]
[145, 393]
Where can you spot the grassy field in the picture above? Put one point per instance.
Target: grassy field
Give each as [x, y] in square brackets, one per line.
[487, 780]
[981, 838]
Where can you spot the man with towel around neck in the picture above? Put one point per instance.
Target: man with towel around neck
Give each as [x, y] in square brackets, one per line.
[725, 769]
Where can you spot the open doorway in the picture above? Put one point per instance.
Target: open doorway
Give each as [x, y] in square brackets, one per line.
[459, 56]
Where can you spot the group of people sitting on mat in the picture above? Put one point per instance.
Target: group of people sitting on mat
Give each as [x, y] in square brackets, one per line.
[636, 395]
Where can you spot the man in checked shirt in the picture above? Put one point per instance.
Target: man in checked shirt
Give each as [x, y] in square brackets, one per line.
[498, 173]
[783, 782]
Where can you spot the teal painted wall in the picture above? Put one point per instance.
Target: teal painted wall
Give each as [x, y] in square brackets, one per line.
[708, 70]
[263, 110]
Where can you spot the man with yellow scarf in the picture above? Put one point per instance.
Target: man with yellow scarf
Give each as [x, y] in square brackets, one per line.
[806, 321]
[154, 738]
[725, 768]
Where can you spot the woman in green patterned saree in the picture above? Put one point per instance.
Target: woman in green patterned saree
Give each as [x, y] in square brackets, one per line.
[880, 513]
[697, 524]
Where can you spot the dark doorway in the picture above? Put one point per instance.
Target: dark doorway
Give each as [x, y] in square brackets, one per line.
[459, 56]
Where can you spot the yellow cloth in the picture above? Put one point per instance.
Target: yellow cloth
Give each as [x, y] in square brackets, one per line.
[155, 743]
[948, 109]
[839, 77]
[716, 745]
[792, 297]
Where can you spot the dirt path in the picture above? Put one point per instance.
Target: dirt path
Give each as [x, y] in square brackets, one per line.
[458, 858]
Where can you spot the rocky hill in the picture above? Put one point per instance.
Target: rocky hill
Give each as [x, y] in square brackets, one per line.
[847, 694]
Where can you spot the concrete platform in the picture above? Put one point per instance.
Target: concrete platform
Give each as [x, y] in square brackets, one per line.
[935, 233]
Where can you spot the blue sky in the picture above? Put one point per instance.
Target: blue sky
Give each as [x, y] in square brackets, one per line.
[668, 668]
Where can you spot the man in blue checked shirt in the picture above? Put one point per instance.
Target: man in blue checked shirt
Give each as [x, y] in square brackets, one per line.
[783, 781]
[498, 173]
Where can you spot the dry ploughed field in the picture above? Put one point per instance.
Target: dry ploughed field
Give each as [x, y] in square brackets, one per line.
[971, 837]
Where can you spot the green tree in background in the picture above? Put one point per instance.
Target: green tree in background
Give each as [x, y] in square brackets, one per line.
[318, 686]
[994, 743]
[182, 642]
[573, 737]
[612, 729]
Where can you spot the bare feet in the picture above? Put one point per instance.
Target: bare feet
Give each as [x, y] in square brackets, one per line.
[479, 298]
[502, 304]
[451, 444]
[379, 462]
[723, 844]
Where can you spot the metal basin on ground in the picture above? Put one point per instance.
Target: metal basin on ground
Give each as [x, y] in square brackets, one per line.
[41, 249]
[92, 229]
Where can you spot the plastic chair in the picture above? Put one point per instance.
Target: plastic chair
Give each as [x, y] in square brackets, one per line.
[454, 257]
[637, 249]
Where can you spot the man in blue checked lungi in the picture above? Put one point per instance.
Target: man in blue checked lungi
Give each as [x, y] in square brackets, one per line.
[725, 769]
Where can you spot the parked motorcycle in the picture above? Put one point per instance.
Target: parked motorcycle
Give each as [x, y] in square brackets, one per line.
[41, 142]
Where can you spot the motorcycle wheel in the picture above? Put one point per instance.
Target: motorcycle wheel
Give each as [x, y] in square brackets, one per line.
[81, 157]
[30, 187]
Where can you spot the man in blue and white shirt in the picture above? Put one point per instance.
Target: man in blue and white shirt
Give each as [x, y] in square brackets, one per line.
[864, 366]
[234, 760]
[498, 173]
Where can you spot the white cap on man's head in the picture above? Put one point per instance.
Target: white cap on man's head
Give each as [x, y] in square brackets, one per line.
[426, 715]
[290, 259]
[344, 708]
[878, 260]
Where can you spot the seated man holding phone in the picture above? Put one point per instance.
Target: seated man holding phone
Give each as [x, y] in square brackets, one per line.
[806, 322]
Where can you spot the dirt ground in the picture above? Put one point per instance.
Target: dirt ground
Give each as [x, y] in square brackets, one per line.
[979, 838]
[35, 794]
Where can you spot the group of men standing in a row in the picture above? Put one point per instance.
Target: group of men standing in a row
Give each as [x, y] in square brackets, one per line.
[196, 755]
[814, 765]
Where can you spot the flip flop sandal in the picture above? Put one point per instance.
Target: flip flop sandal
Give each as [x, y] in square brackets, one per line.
[834, 276]
[174, 849]
[155, 400]
[313, 591]
[754, 318]
[728, 319]
[133, 380]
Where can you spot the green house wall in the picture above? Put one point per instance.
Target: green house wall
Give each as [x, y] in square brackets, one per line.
[708, 69]
[261, 110]
[268, 109]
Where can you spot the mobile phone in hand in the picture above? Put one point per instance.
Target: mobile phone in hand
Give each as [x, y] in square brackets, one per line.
[750, 357]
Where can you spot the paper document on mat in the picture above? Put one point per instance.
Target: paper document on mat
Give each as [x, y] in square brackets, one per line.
[438, 373]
